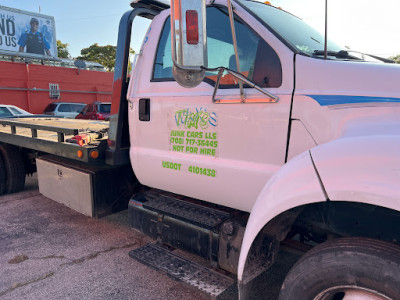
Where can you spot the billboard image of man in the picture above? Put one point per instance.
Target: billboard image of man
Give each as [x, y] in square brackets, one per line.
[34, 40]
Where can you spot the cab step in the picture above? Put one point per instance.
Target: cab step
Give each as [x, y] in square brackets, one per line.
[179, 222]
[186, 211]
[208, 281]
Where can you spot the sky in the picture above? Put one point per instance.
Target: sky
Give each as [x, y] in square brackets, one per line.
[369, 26]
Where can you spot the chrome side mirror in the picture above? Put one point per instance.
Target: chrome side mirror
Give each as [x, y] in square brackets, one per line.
[188, 41]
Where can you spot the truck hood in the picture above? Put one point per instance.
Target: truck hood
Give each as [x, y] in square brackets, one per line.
[335, 98]
[342, 82]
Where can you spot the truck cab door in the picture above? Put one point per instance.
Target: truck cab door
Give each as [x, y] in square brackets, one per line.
[222, 153]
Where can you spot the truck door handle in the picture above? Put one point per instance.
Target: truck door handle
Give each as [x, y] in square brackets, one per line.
[144, 110]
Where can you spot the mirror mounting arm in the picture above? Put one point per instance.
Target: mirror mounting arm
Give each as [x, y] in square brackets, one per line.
[232, 23]
[241, 78]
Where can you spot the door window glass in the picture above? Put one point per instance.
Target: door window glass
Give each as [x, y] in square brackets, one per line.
[15, 111]
[163, 63]
[50, 108]
[258, 61]
[4, 112]
[220, 45]
[105, 108]
[64, 108]
[77, 107]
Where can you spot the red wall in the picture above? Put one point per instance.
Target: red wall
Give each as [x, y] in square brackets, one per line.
[27, 85]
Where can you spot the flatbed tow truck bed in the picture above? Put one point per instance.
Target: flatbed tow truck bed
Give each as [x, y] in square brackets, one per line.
[51, 135]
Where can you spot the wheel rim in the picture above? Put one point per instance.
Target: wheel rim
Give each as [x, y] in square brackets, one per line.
[350, 293]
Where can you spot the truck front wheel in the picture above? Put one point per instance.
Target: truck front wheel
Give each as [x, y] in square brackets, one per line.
[346, 269]
[14, 168]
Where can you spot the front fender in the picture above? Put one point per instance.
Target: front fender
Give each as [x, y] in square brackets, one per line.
[295, 184]
[362, 169]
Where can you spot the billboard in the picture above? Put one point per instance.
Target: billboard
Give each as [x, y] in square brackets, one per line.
[27, 34]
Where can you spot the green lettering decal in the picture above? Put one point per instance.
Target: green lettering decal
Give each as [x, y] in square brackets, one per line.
[192, 150]
[177, 133]
[196, 170]
[194, 142]
[202, 171]
[177, 148]
[195, 133]
[171, 165]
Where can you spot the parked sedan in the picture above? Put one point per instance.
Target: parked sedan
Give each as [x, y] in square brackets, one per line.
[96, 111]
[12, 111]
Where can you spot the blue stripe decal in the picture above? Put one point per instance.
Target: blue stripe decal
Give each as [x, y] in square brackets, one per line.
[325, 100]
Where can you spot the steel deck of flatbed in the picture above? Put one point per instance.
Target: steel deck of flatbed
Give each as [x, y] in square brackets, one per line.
[48, 134]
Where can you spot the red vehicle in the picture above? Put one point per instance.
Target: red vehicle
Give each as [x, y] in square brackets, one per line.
[95, 111]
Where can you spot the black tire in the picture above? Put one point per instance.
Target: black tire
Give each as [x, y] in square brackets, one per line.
[14, 168]
[2, 177]
[349, 265]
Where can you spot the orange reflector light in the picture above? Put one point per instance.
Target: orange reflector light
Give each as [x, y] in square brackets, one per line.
[80, 153]
[94, 154]
[192, 27]
[267, 2]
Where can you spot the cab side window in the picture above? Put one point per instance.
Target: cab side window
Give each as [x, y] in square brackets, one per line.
[163, 63]
[220, 46]
[258, 61]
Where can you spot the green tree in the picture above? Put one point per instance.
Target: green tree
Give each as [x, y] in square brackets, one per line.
[131, 52]
[62, 50]
[104, 55]
[396, 58]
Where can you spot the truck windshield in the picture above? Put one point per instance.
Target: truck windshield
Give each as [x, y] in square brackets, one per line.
[292, 29]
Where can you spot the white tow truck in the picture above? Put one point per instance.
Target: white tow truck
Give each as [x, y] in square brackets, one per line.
[245, 129]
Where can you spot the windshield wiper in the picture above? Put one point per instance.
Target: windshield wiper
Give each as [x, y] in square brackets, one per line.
[337, 54]
[385, 60]
[345, 54]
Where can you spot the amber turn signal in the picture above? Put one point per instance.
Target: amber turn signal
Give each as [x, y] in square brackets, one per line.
[94, 154]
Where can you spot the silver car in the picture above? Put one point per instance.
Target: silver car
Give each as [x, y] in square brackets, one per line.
[64, 109]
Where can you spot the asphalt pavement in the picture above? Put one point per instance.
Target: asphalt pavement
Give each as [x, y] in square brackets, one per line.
[48, 251]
